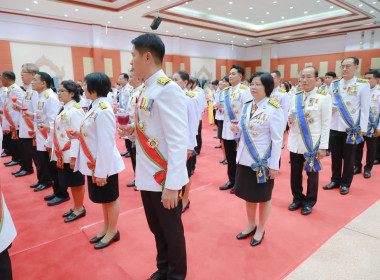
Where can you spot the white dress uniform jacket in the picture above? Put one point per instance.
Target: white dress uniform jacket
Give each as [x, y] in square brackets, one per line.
[48, 107]
[70, 118]
[192, 117]
[30, 103]
[99, 129]
[281, 96]
[167, 123]
[219, 114]
[131, 106]
[263, 131]
[238, 95]
[375, 104]
[124, 94]
[13, 91]
[3, 93]
[356, 95]
[201, 97]
[318, 115]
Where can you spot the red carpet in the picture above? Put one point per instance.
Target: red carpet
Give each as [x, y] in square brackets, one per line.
[47, 248]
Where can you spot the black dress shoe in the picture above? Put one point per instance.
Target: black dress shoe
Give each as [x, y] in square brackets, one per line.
[41, 187]
[96, 239]
[23, 173]
[367, 174]
[221, 161]
[74, 217]
[68, 213]
[35, 185]
[294, 206]
[18, 171]
[131, 184]
[306, 210]
[233, 190]
[157, 276]
[186, 207]
[57, 200]
[344, 190]
[49, 197]
[127, 154]
[227, 186]
[255, 242]
[225, 162]
[331, 186]
[327, 153]
[216, 137]
[357, 170]
[218, 147]
[245, 235]
[123, 154]
[101, 245]
[5, 154]
[11, 163]
[376, 161]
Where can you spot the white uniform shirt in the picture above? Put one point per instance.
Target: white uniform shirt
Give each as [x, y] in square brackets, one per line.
[48, 107]
[356, 96]
[3, 93]
[131, 106]
[124, 94]
[375, 104]
[13, 91]
[318, 115]
[262, 132]
[281, 96]
[30, 103]
[70, 117]
[201, 101]
[218, 99]
[167, 123]
[192, 117]
[238, 95]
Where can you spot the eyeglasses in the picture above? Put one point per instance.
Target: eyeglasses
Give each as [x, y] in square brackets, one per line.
[306, 78]
[255, 85]
[22, 72]
[348, 66]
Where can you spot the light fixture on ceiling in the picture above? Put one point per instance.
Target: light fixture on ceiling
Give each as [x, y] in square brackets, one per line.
[229, 13]
[209, 8]
[109, 22]
[35, 2]
[217, 34]
[372, 11]
[76, 10]
[305, 12]
[167, 31]
[282, 17]
[200, 30]
[290, 8]
[156, 23]
[251, 8]
[244, 43]
[331, 7]
[246, 17]
[27, 9]
[267, 13]
[360, 5]
[143, 27]
[374, 2]
[65, 15]
[260, 41]
[230, 2]
[148, 7]
[274, 2]
[262, 21]
[121, 17]
[218, 39]
[203, 37]
[180, 27]
[185, 34]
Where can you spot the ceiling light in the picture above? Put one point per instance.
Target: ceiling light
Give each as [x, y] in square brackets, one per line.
[305, 12]
[251, 8]
[246, 17]
[267, 13]
[200, 30]
[360, 5]
[291, 8]
[65, 15]
[148, 7]
[184, 34]
[203, 37]
[180, 27]
[218, 39]
[232, 41]
[143, 27]
[259, 41]
[374, 2]
[35, 2]
[167, 31]
[187, 3]
[247, 39]
[372, 11]
[217, 34]
[209, 9]
[121, 17]
[230, 2]
[318, 1]
[108, 22]
[76, 10]
[331, 7]
[282, 17]
[229, 13]
[274, 2]
[244, 43]
[262, 21]
[27, 9]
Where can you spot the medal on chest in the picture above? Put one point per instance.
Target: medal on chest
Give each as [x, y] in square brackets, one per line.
[146, 106]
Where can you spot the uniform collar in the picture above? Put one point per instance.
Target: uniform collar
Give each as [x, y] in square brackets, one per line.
[261, 102]
[236, 87]
[349, 81]
[151, 80]
[98, 100]
[69, 104]
[137, 88]
[311, 92]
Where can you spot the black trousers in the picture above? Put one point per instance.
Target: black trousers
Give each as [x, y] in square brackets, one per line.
[166, 225]
[377, 148]
[60, 191]
[198, 148]
[342, 155]
[12, 146]
[27, 156]
[371, 153]
[132, 151]
[296, 169]
[230, 149]
[5, 266]
[127, 146]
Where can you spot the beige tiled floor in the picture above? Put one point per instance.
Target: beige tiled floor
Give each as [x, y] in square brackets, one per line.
[352, 253]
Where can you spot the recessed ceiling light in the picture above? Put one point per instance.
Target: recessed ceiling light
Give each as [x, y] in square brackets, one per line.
[247, 39]
[167, 31]
[291, 8]
[234, 36]
[230, 2]
[282, 17]
[200, 30]
[267, 13]
[262, 21]
[218, 39]
[244, 43]
[232, 41]
[274, 2]
[187, 3]
[372, 11]
[246, 17]
[209, 8]
[121, 17]
[360, 5]
[259, 41]
[184, 34]
[203, 37]
[229, 13]
[27, 9]
[180, 27]
[331, 7]
[35, 2]
[318, 1]
[143, 27]
[251, 8]
[217, 34]
[65, 15]
[76, 10]
[148, 7]
[374, 2]
[305, 12]
[108, 22]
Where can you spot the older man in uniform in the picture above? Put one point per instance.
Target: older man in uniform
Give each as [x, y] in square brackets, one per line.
[161, 131]
[123, 95]
[234, 98]
[349, 122]
[373, 125]
[308, 138]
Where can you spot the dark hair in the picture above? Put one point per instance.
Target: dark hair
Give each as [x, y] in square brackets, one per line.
[226, 78]
[375, 74]
[150, 43]
[331, 74]
[355, 59]
[239, 69]
[192, 80]
[321, 79]
[277, 73]
[183, 75]
[267, 81]
[315, 70]
[45, 77]
[287, 86]
[99, 83]
[73, 87]
[9, 75]
[125, 75]
[215, 82]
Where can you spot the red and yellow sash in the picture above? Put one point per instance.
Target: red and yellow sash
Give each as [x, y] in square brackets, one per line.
[12, 127]
[91, 163]
[1, 210]
[59, 152]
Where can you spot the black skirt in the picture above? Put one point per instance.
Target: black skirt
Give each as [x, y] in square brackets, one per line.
[105, 194]
[247, 188]
[220, 128]
[68, 178]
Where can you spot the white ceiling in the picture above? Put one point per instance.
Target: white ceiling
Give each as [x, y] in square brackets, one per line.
[239, 22]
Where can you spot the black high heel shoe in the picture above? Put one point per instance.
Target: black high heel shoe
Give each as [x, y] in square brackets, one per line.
[101, 245]
[96, 239]
[245, 235]
[255, 242]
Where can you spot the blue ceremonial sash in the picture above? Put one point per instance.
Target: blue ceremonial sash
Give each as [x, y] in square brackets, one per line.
[260, 166]
[228, 105]
[372, 125]
[312, 164]
[353, 132]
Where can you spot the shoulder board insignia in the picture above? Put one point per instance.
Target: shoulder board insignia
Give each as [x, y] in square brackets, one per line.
[360, 80]
[129, 86]
[190, 94]
[336, 80]
[76, 105]
[323, 92]
[198, 89]
[298, 92]
[274, 103]
[13, 86]
[378, 88]
[163, 80]
[103, 105]
[281, 90]
[243, 86]
[46, 95]
[226, 88]
[5, 89]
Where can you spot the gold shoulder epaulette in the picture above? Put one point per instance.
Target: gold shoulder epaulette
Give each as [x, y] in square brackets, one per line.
[4, 89]
[13, 86]
[46, 95]
[323, 92]
[163, 80]
[281, 90]
[190, 94]
[274, 103]
[336, 80]
[226, 88]
[243, 86]
[76, 105]
[300, 91]
[103, 105]
[360, 80]
[198, 89]
[130, 86]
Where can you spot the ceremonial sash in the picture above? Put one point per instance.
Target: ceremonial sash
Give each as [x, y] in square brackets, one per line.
[91, 163]
[372, 125]
[58, 152]
[153, 154]
[260, 165]
[312, 164]
[1, 210]
[228, 105]
[12, 127]
[31, 133]
[353, 132]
